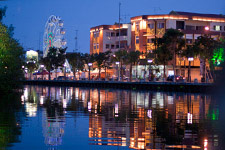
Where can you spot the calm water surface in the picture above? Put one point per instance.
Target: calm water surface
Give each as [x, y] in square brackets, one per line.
[81, 118]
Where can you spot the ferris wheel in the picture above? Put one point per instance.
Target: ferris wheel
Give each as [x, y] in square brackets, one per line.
[54, 34]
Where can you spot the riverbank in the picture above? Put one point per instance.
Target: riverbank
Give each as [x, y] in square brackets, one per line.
[156, 86]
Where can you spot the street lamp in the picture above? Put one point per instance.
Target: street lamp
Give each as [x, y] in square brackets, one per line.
[190, 59]
[150, 61]
[89, 67]
[42, 66]
[118, 70]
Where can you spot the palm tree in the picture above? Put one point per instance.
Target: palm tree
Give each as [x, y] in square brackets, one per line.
[74, 60]
[121, 56]
[133, 58]
[99, 59]
[164, 55]
[107, 62]
[187, 53]
[173, 40]
[204, 47]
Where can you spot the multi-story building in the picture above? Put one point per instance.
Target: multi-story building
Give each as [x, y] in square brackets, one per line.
[147, 27]
[106, 37]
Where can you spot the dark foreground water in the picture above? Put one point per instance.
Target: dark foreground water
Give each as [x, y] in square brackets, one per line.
[81, 118]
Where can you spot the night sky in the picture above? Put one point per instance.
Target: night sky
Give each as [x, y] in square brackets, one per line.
[29, 16]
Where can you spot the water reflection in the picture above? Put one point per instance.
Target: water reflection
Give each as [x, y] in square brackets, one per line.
[130, 119]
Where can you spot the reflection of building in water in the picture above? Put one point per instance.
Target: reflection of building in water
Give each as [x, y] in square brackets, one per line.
[146, 120]
[53, 128]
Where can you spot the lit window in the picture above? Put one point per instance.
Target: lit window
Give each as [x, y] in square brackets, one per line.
[137, 39]
[217, 28]
[160, 25]
[137, 26]
[97, 45]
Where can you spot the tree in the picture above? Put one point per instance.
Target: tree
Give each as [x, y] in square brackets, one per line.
[54, 59]
[204, 47]
[164, 55]
[107, 62]
[75, 61]
[188, 52]
[173, 40]
[121, 56]
[133, 58]
[11, 58]
[31, 66]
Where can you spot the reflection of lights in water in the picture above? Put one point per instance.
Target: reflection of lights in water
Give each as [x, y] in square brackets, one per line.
[60, 92]
[116, 110]
[96, 106]
[25, 93]
[149, 113]
[89, 106]
[189, 118]
[31, 109]
[83, 95]
[64, 103]
[42, 100]
[76, 94]
[158, 100]
[124, 141]
[170, 99]
[22, 99]
[205, 144]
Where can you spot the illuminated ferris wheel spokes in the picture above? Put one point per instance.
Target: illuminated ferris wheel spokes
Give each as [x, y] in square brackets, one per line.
[54, 34]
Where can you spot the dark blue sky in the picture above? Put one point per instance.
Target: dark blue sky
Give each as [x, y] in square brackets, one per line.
[29, 16]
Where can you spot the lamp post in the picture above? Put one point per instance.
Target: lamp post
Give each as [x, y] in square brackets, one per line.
[64, 70]
[149, 61]
[42, 67]
[118, 70]
[190, 59]
[89, 69]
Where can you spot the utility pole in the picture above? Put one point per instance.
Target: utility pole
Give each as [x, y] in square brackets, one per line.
[76, 39]
[119, 24]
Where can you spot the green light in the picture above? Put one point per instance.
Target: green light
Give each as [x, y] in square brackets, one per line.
[218, 56]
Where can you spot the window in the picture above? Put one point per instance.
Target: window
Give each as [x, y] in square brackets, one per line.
[188, 27]
[180, 25]
[123, 32]
[96, 34]
[217, 28]
[200, 28]
[97, 46]
[160, 25]
[137, 39]
[107, 34]
[189, 41]
[112, 46]
[151, 25]
[149, 41]
[137, 26]
[113, 34]
[107, 46]
[117, 45]
[94, 45]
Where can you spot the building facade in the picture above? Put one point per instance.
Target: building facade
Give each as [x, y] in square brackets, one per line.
[106, 37]
[147, 27]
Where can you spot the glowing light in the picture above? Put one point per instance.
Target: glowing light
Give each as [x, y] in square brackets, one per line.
[149, 113]
[190, 59]
[89, 106]
[207, 28]
[189, 118]
[205, 144]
